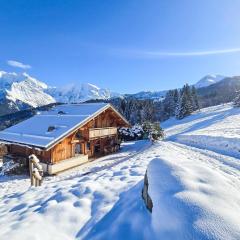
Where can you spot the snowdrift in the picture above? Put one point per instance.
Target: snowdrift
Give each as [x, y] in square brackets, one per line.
[191, 199]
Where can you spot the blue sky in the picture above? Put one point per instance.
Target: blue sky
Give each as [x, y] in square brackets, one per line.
[127, 45]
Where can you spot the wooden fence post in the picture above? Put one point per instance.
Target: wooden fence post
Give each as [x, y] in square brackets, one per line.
[35, 170]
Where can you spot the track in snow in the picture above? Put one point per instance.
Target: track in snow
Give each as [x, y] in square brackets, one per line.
[226, 164]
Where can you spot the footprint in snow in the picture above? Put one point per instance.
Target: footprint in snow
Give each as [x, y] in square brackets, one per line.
[88, 190]
[84, 179]
[135, 173]
[123, 178]
[77, 204]
[18, 207]
[118, 173]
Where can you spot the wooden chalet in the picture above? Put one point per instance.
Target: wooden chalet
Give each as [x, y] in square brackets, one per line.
[66, 136]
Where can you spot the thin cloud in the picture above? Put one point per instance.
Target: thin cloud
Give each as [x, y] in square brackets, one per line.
[17, 64]
[159, 54]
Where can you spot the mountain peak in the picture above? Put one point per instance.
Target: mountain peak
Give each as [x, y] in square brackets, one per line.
[22, 89]
[209, 80]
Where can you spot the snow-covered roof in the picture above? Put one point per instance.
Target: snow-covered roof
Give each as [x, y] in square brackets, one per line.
[63, 119]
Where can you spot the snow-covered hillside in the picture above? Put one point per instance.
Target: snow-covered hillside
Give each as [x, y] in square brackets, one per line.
[215, 128]
[209, 80]
[195, 189]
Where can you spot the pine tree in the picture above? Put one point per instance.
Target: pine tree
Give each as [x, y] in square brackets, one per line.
[175, 97]
[169, 104]
[181, 110]
[159, 111]
[195, 99]
[236, 101]
[172, 104]
[189, 97]
[185, 103]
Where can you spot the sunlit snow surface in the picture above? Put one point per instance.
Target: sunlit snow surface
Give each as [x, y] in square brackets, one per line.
[195, 191]
[214, 128]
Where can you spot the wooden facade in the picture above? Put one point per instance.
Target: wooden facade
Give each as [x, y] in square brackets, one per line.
[96, 137]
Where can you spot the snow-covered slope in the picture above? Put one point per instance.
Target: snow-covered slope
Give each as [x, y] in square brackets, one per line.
[215, 128]
[209, 80]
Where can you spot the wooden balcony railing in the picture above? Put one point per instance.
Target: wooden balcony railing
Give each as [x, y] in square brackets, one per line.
[102, 132]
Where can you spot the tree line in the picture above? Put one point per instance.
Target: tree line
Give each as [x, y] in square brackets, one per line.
[177, 103]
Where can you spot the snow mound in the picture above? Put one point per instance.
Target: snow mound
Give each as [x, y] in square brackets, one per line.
[194, 197]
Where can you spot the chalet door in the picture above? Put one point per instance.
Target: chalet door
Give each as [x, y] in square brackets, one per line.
[97, 149]
[78, 149]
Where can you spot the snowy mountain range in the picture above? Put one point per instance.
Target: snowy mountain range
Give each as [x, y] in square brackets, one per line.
[79, 93]
[21, 91]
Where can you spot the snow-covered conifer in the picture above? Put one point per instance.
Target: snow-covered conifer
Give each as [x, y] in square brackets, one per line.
[195, 99]
[236, 101]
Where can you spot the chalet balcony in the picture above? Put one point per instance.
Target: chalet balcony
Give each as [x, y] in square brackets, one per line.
[102, 132]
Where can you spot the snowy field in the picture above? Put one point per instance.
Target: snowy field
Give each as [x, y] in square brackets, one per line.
[195, 191]
[215, 128]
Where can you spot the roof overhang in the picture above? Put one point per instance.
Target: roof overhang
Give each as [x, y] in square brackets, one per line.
[23, 144]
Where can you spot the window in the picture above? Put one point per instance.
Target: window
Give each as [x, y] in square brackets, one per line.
[78, 149]
[88, 145]
[61, 112]
[51, 128]
[78, 135]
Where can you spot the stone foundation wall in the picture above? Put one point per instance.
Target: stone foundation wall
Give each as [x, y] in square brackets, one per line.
[147, 199]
